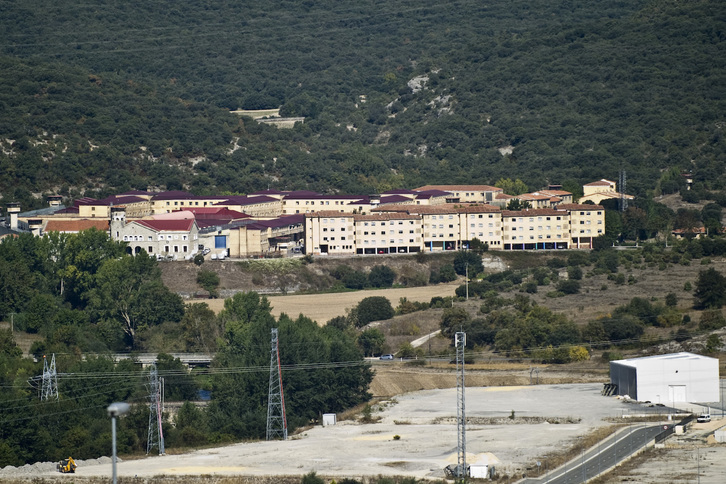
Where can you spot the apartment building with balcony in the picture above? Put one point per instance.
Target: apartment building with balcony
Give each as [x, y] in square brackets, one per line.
[466, 193]
[586, 222]
[534, 229]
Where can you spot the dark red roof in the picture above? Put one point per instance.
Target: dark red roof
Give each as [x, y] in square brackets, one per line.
[183, 225]
[243, 200]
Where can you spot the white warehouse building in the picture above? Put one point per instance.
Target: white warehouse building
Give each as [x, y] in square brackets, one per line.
[667, 379]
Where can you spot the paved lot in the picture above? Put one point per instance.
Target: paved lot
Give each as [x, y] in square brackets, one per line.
[426, 424]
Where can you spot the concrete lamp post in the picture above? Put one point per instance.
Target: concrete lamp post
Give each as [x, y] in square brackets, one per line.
[115, 410]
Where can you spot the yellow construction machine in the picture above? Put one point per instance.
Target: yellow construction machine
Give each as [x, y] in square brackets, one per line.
[67, 466]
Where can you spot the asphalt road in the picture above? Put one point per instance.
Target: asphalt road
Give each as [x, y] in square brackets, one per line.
[598, 459]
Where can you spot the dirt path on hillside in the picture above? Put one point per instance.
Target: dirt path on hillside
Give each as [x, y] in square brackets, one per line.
[324, 307]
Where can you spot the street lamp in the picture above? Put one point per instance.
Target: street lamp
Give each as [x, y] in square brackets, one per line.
[115, 410]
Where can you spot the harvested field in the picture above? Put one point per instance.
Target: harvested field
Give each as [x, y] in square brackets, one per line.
[324, 307]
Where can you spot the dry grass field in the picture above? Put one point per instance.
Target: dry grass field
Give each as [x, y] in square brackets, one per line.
[324, 307]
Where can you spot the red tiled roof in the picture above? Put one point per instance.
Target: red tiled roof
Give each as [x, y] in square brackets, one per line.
[386, 216]
[181, 225]
[75, 226]
[579, 206]
[599, 183]
[241, 200]
[327, 213]
[395, 199]
[532, 212]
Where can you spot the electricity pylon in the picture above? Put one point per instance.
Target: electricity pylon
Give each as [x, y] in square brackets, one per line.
[156, 408]
[276, 420]
[49, 389]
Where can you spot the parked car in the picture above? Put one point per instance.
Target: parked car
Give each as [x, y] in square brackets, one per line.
[386, 357]
[206, 251]
[703, 418]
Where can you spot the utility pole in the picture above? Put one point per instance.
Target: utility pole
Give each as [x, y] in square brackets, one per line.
[49, 389]
[156, 432]
[276, 419]
[460, 342]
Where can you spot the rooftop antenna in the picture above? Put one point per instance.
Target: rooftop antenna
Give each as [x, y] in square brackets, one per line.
[276, 420]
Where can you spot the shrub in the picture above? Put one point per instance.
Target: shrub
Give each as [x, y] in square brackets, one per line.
[381, 276]
[574, 273]
[355, 280]
[209, 281]
[568, 286]
[711, 320]
[311, 478]
[612, 355]
[682, 335]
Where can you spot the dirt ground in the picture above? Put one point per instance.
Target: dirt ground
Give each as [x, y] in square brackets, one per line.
[414, 435]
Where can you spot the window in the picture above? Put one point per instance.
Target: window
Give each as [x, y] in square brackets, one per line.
[150, 249]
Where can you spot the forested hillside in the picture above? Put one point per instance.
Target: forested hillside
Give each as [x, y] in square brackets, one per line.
[106, 96]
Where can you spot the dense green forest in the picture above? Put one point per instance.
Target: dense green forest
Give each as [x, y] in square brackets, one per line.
[111, 95]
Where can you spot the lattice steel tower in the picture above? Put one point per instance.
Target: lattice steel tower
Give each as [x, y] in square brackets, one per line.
[276, 420]
[156, 408]
[49, 389]
[460, 343]
[621, 188]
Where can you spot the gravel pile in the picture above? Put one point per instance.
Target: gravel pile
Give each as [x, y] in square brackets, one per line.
[49, 467]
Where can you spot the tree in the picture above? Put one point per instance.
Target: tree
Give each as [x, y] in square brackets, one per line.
[687, 220]
[516, 187]
[209, 280]
[468, 262]
[711, 217]
[454, 320]
[201, 328]
[372, 341]
[516, 204]
[381, 276]
[373, 308]
[129, 292]
[710, 289]
[477, 246]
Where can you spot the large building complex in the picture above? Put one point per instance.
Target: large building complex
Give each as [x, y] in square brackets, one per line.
[177, 224]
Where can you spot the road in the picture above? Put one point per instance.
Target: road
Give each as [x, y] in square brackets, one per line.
[607, 454]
